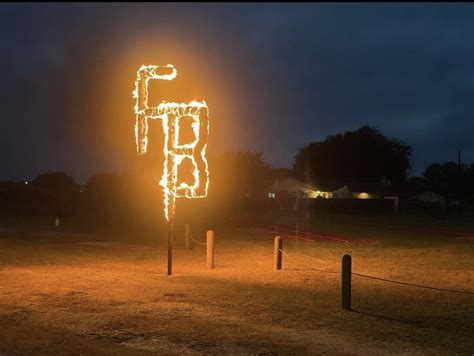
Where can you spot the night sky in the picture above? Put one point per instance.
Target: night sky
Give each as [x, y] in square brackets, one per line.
[275, 77]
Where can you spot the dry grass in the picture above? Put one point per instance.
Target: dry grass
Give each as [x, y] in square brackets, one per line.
[63, 295]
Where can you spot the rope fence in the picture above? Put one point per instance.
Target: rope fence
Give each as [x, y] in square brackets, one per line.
[196, 241]
[345, 272]
[412, 284]
[300, 262]
[310, 268]
[210, 235]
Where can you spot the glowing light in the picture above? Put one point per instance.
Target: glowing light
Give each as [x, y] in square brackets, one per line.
[175, 154]
[363, 196]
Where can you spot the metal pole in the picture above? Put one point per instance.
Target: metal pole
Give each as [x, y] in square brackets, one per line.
[170, 245]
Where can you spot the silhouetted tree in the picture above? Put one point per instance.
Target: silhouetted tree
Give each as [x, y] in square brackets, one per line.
[56, 184]
[239, 174]
[275, 174]
[362, 155]
[121, 200]
[57, 190]
[18, 198]
[450, 179]
[414, 185]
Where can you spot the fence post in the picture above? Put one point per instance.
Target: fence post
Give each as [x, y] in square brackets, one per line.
[210, 249]
[278, 252]
[187, 231]
[346, 281]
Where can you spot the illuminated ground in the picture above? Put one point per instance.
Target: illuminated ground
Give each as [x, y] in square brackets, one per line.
[76, 294]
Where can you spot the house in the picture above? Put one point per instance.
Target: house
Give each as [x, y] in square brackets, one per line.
[359, 191]
[343, 193]
[292, 188]
[430, 197]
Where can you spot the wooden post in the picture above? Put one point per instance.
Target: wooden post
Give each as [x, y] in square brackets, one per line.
[346, 281]
[187, 231]
[210, 249]
[278, 252]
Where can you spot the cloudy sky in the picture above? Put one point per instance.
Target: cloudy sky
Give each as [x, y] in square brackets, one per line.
[275, 76]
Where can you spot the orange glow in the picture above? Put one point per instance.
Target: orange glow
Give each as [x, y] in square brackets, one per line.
[171, 115]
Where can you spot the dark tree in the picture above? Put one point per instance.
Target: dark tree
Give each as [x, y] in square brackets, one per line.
[56, 184]
[414, 185]
[57, 191]
[239, 174]
[450, 179]
[275, 174]
[362, 155]
[123, 200]
[105, 187]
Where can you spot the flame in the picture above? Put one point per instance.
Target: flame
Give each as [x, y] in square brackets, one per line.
[171, 114]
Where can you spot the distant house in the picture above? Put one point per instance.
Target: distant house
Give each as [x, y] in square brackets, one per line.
[368, 190]
[343, 193]
[292, 188]
[359, 191]
[430, 197]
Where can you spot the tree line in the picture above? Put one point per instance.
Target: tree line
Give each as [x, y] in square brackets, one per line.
[362, 155]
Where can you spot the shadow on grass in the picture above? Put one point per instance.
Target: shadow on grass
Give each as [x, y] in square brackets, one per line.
[389, 318]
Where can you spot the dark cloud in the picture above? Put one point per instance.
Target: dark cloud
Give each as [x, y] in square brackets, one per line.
[291, 74]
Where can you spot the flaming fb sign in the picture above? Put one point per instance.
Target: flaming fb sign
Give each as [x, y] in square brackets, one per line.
[171, 115]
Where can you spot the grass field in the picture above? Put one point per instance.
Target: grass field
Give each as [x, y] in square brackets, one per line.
[65, 293]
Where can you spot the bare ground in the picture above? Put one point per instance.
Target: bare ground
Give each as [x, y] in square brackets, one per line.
[69, 295]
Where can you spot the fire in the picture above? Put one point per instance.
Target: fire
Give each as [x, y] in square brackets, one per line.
[175, 154]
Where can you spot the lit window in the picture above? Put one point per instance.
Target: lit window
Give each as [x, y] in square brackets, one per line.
[271, 195]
